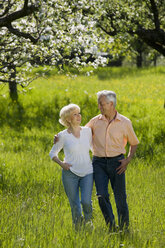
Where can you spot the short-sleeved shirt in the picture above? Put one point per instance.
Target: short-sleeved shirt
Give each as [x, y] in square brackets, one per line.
[110, 139]
[76, 150]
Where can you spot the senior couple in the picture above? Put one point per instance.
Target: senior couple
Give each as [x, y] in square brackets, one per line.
[106, 135]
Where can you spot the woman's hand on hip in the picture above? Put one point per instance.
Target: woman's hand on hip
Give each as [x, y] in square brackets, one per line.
[66, 166]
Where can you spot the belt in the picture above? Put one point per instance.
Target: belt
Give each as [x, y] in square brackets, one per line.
[109, 157]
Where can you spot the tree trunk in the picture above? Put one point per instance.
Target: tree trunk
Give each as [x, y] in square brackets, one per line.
[13, 84]
[139, 59]
[155, 60]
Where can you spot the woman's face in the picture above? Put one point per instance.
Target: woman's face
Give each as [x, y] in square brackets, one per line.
[75, 117]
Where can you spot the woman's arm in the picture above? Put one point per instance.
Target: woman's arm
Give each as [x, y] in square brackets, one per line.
[64, 165]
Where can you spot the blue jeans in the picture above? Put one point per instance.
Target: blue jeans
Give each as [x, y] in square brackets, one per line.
[105, 170]
[74, 184]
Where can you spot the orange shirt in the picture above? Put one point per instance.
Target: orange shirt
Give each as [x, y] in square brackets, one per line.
[110, 139]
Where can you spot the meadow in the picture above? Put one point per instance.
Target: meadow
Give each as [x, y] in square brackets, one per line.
[34, 210]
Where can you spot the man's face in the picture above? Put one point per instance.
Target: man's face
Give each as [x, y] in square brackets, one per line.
[104, 106]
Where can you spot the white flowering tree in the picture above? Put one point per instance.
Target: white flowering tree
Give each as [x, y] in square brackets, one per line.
[54, 31]
[72, 32]
[126, 20]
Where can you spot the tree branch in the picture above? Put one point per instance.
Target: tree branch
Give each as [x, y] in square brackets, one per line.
[25, 11]
[111, 33]
[110, 19]
[4, 81]
[155, 13]
[21, 34]
[25, 4]
[153, 38]
[6, 10]
[27, 82]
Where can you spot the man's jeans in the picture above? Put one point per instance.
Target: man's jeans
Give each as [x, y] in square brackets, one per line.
[105, 170]
[72, 185]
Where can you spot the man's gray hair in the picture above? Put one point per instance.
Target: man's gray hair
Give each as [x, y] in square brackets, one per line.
[110, 96]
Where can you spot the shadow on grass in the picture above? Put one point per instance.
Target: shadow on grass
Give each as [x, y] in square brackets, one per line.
[16, 116]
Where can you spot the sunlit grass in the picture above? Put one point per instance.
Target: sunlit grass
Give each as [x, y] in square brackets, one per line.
[34, 210]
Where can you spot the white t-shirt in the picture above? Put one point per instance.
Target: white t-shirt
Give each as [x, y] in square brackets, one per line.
[76, 150]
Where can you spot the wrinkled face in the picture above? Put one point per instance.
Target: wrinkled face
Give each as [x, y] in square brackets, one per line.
[75, 117]
[104, 106]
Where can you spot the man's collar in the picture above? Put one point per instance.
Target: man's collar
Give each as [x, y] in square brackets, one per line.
[117, 117]
[102, 117]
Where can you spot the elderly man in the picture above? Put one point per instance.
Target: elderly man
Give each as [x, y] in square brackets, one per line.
[111, 132]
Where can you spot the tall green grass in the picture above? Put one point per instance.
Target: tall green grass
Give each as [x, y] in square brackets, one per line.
[34, 210]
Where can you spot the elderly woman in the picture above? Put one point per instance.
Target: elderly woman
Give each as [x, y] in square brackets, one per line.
[77, 170]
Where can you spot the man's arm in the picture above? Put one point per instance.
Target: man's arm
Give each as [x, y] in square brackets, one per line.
[56, 139]
[124, 162]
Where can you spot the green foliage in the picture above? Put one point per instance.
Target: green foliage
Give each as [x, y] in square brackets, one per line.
[34, 209]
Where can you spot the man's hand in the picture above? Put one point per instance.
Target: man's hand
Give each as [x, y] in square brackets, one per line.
[56, 138]
[124, 162]
[123, 166]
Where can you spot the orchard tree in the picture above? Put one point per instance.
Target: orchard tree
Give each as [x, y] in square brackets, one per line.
[128, 23]
[18, 36]
[50, 31]
[127, 19]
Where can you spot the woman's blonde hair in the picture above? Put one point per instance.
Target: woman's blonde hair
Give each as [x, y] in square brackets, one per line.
[65, 113]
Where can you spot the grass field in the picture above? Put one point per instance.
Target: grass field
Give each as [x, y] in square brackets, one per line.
[34, 210]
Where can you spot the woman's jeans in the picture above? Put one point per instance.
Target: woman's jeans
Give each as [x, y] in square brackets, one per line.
[105, 170]
[72, 185]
